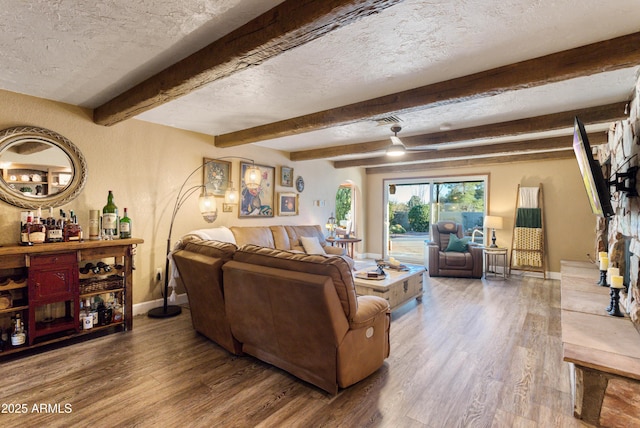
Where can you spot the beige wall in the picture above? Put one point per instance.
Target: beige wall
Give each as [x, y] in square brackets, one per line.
[145, 164]
[569, 223]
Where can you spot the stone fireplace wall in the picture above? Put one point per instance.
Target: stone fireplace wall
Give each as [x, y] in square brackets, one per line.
[623, 229]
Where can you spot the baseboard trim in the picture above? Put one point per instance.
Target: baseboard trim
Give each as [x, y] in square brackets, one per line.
[144, 307]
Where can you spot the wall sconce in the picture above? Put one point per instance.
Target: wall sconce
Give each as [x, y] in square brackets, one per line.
[625, 181]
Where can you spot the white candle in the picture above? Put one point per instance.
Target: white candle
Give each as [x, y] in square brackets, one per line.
[616, 281]
[602, 254]
[604, 263]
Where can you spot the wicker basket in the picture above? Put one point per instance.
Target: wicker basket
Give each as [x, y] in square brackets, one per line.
[104, 284]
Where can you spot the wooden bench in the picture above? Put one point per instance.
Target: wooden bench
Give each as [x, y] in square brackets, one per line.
[603, 351]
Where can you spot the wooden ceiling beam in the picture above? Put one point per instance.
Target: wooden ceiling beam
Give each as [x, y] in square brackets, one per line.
[531, 157]
[520, 147]
[287, 26]
[548, 122]
[608, 55]
[591, 115]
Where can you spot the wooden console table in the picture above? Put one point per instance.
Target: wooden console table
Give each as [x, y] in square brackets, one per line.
[603, 351]
[49, 274]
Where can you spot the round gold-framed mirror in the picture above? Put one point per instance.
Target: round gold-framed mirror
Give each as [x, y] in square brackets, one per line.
[40, 168]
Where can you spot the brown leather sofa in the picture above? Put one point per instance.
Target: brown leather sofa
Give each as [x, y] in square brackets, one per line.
[199, 263]
[300, 313]
[466, 264]
[296, 311]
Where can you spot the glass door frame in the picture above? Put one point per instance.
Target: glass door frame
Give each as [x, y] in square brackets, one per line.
[431, 180]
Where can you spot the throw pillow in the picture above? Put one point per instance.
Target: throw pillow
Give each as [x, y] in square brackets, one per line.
[456, 244]
[311, 245]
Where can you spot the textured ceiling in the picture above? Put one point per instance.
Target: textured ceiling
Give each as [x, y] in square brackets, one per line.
[87, 52]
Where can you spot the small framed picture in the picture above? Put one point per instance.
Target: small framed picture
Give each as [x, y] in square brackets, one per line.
[217, 174]
[286, 176]
[227, 208]
[288, 203]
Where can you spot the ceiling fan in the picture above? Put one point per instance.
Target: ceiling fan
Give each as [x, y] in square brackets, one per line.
[397, 147]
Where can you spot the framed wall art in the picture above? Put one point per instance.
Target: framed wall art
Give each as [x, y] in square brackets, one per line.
[288, 203]
[257, 201]
[217, 175]
[286, 176]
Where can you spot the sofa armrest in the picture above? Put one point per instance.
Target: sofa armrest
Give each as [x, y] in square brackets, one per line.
[338, 251]
[369, 308]
[434, 254]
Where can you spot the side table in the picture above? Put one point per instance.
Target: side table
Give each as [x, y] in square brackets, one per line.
[346, 243]
[493, 258]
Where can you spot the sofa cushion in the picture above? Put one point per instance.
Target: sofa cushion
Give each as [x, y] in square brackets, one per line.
[335, 267]
[256, 235]
[456, 244]
[280, 238]
[295, 232]
[311, 245]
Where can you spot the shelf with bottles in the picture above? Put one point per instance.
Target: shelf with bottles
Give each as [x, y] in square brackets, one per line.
[101, 309]
[111, 282]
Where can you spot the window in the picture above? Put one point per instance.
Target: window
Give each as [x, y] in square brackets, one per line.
[412, 205]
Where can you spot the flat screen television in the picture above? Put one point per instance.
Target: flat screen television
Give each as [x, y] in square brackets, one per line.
[596, 185]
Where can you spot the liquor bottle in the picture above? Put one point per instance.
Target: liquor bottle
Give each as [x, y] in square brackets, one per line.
[72, 231]
[18, 335]
[25, 232]
[38, 231]
[110, 218]
[82, 314]
[54, 231]
[117, 313]
[125, 226]
[89, 318]
[94, 311]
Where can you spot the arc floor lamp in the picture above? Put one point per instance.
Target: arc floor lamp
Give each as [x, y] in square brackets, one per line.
[209, 210]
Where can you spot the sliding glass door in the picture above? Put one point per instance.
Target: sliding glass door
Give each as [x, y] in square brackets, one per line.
[412, 205]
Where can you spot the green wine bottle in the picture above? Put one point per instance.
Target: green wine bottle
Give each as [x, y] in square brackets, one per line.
[110, 218]
[125, 226]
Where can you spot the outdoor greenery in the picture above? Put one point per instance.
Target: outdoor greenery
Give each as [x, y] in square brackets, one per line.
[466, 199]
[396, 228]
[343, 202]
[413, 216]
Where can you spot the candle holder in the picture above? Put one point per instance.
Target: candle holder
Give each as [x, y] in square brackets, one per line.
[603, 279]
[610, 307]
[615, 310]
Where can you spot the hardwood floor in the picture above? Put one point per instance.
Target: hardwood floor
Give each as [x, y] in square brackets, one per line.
[472, 354]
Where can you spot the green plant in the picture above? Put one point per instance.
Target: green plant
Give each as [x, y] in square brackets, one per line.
[343, 202]
[419, 218]
[26, 189]
[397, 228]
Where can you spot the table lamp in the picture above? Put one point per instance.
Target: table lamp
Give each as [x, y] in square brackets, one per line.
[493, 222]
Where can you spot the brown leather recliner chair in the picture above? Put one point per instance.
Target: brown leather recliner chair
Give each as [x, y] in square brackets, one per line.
[467, 263]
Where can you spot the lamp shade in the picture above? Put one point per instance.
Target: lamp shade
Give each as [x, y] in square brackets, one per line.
[252, 177]
[493, 222]
[231, 194]
[208, 207]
